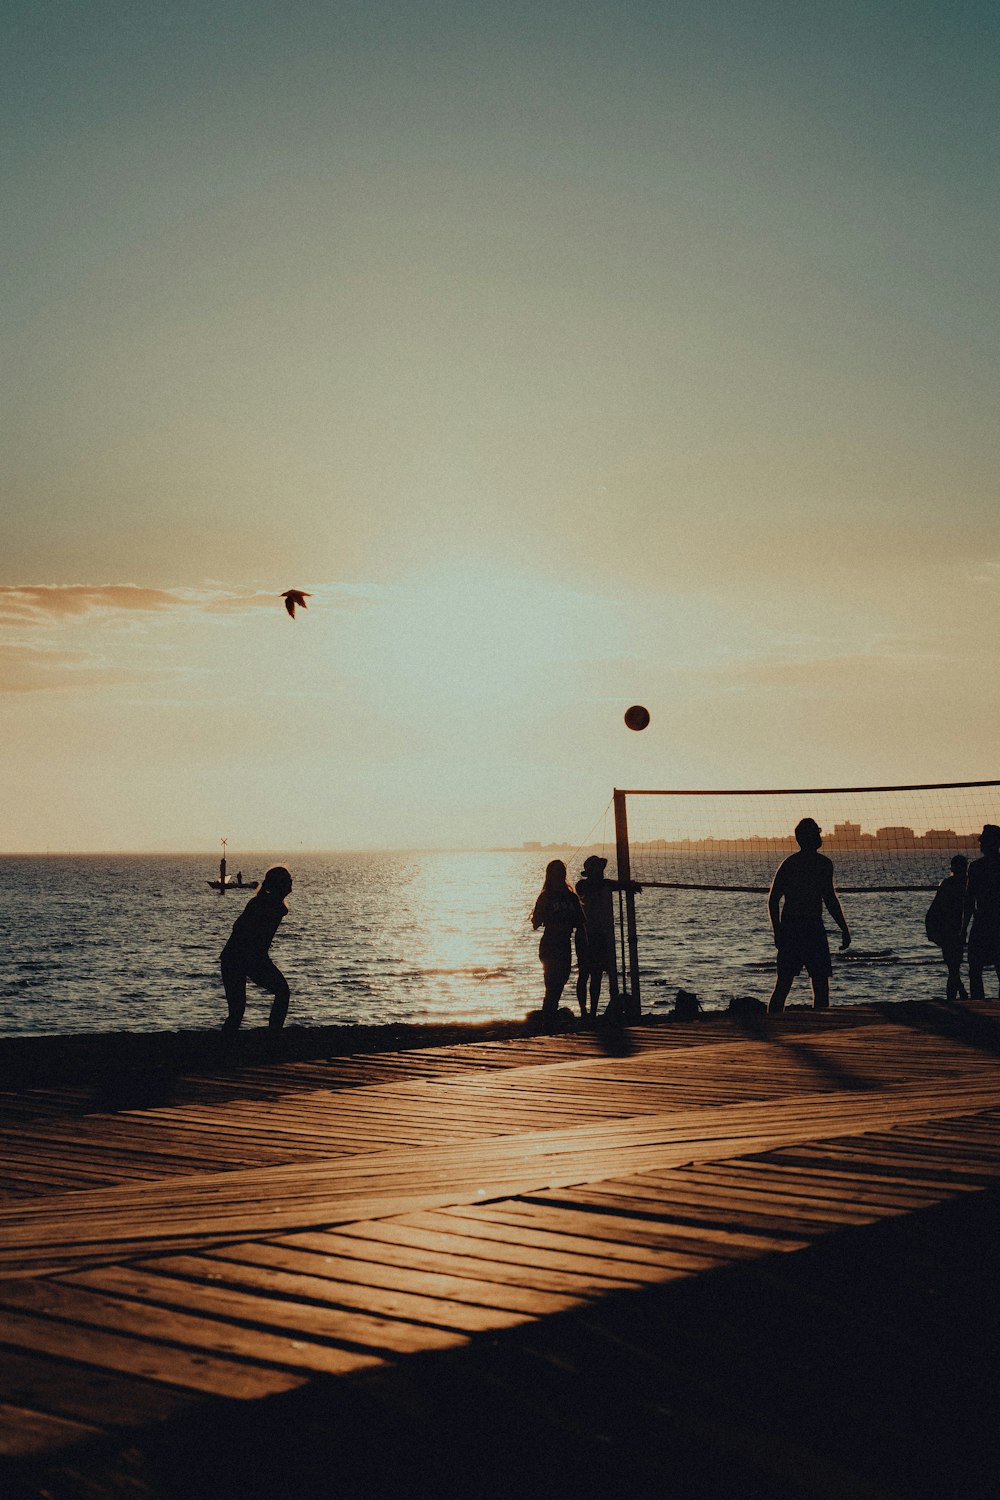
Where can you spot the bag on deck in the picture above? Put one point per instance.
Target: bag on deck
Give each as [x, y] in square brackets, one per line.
[745, 1006]
[686, 1005]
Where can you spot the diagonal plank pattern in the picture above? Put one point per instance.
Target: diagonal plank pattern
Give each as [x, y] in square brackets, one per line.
[416, 1214]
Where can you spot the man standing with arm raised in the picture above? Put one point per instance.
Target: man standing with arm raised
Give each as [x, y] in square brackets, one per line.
[804, 882]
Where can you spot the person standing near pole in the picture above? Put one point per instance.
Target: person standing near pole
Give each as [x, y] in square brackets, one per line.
[802, 887]
[983, 906]
[598, 958]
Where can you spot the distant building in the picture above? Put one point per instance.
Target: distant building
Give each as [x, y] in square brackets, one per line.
[941, 838]
[847, 833]
[532, 844]
[900, 837]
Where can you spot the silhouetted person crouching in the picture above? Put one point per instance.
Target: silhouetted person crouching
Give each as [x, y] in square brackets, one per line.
[982, 904]
[946, 922]
[804, 883]
[245, 955]
[559, 914]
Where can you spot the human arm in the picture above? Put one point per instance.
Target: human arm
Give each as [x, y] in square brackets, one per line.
[774, 901]
[832, 903]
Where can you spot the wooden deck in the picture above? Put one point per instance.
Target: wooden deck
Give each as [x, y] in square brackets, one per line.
[607, 1263]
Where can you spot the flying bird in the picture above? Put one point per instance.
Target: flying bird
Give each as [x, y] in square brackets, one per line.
[293, 597]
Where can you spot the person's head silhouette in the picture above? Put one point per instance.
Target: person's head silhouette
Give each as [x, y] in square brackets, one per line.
[959, 864]
[277, 881]
[555, 875]
[808, 835]
[989, 838]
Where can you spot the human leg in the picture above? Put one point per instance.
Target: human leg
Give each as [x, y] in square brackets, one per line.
[270, 978]
[952, 955]
[556, 971]
[234, 980]
[821, 991]
[779, 994]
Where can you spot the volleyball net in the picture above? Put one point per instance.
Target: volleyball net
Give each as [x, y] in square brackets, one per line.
[880, 838]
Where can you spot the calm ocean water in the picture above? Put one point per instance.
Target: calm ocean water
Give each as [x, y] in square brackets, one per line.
[131, 942]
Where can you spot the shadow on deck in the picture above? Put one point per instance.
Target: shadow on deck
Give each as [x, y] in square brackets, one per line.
[863, 1366]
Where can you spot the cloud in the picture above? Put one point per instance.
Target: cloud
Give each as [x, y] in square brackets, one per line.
[23, 604]
[65, 637]
[29, 669]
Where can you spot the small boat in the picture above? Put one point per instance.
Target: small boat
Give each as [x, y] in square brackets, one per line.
[224, 884]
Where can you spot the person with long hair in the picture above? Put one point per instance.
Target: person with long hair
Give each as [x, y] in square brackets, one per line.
[559, 914]
[246, 956]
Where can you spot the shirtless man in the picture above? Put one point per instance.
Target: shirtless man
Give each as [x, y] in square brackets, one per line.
[805, 882]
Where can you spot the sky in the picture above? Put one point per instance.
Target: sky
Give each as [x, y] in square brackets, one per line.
[569, 355]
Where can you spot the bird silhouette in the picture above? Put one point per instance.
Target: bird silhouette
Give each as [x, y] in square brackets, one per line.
[293, 597]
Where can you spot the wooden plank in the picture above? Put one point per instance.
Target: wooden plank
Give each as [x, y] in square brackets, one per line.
[100, 1397]
[400, 1245]
[322, 1284]
[267, 1317]
[85, 1309]
[191, 1369]
[365, 1274]
[23, 1432]
[622, 1258]
[720, 1210]
[661, 1235]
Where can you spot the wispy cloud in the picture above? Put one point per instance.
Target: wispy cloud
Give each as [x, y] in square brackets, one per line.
[34, 603]
[30, 669]
[58, 637]
[23, 603]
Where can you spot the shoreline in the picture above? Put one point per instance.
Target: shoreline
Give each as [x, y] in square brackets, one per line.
[46, 1060]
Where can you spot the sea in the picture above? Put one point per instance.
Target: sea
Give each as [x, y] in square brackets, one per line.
[129, 942]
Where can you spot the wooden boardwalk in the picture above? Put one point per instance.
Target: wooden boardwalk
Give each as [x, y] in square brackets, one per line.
[282, 1249]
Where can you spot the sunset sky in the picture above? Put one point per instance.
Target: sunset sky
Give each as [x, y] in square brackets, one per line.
[570, 355]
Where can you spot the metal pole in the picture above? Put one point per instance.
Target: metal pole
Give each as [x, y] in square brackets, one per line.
[621, 938]
[634, 1009]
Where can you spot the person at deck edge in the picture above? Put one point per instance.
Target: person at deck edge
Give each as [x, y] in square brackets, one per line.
[983, 906]
[804, 883]
[245, 955]
[559, 914]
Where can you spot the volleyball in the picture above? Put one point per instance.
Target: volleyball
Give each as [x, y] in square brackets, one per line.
[637, 717]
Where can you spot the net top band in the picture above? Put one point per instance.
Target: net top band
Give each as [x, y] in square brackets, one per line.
[793, 791]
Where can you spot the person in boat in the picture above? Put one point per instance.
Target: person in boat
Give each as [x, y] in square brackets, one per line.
[559, 914]
[246, 954]
[802, 886]
[982, 904]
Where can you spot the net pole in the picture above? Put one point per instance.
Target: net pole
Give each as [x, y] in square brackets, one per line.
[634, 1007]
